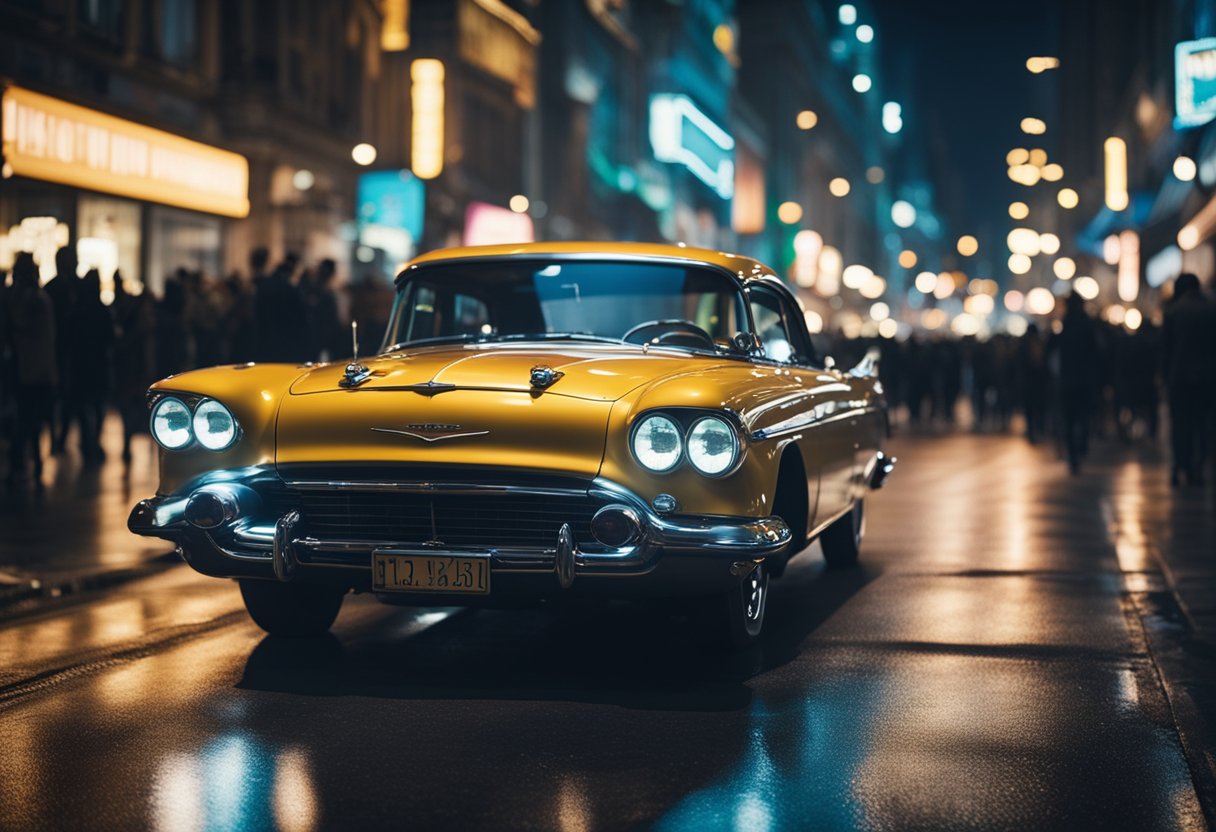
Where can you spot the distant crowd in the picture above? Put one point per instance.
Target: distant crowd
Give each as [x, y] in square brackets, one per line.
[1082, 378]
[66, 357]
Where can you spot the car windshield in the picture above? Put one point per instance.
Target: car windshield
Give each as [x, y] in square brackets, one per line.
[669, 304]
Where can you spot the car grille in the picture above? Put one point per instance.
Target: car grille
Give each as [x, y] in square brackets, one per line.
[475, 520]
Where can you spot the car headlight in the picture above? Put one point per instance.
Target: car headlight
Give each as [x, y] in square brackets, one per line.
[713, 446]
[171, 424]
[657, 444]
[214, 425]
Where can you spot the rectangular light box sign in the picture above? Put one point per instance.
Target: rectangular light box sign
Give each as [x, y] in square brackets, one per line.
[53, 140]
[1195, 82]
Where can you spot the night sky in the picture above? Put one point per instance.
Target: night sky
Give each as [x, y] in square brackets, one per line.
[965, 63]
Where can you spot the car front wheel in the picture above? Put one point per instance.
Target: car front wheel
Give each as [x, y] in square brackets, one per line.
[292, 610]
[841, 541]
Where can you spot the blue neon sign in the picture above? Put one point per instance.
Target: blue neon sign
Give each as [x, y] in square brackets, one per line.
[1195, 82]
[681, 134]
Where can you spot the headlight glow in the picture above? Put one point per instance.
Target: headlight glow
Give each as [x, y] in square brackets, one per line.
[171, 424]
[657, 444]
[713, 446]
[214, 425]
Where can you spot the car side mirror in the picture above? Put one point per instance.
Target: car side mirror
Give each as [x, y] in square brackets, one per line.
[748, 343]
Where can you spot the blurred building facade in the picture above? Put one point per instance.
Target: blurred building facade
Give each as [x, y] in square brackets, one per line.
[153, 135]
[1133, 72]
[762, 126]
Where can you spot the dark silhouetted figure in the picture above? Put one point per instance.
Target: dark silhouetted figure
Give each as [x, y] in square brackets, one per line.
[62, 290]
[321, 304]
[30, 328]
[91, 344]
[172, 343]
[1033, 377]
[282, 325]
[1188, 353]
[134, 360]
[1079, 354]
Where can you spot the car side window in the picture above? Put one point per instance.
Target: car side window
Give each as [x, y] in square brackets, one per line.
[781, 338]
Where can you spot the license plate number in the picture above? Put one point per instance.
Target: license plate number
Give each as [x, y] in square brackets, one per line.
[469, 574]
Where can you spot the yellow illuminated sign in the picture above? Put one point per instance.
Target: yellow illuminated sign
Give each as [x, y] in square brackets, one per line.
[426, 129]
[45, 138]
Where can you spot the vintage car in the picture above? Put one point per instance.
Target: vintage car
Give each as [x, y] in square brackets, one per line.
[542, 422]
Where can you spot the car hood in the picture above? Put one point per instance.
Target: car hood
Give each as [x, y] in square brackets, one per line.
[599, 372]
[490, 416]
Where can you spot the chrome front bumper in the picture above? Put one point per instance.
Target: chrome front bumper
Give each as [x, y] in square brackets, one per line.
[249, 540]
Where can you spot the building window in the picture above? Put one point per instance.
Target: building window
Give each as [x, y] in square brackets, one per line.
[101, 18]
[171, 31]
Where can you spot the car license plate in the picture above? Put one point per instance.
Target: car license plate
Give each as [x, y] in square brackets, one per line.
[410, 572]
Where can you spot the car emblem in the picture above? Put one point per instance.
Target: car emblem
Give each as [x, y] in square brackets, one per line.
[432, 432]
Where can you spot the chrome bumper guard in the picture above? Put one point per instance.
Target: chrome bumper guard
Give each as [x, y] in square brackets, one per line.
[282, 546]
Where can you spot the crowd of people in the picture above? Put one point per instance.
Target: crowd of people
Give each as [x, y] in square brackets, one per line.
[1083, 377]
[67, 358]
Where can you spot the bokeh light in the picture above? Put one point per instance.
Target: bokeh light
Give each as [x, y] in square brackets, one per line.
[1040, 301]
[789, 212]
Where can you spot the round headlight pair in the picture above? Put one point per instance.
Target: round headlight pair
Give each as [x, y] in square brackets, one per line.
[174, 426]
[713, 444]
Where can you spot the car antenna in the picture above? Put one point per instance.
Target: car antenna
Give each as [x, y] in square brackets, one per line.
[355, 373]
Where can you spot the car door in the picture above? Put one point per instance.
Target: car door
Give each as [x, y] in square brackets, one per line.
[826, 429]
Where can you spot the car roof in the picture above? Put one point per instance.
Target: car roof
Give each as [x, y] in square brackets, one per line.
[745, 268]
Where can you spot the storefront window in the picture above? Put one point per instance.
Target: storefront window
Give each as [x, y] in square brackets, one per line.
[108, 239]
[34, 218]
[180, 239]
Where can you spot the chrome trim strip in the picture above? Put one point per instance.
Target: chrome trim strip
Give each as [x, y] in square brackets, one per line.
[793, 426]
[431, 438]
[421, 487]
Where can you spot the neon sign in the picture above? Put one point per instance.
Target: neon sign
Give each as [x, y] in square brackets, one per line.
[682, 134]
[1195, 82]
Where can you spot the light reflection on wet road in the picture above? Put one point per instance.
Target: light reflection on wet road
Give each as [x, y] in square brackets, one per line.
[982, 670]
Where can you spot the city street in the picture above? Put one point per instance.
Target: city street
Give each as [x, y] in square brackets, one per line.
[996, 662]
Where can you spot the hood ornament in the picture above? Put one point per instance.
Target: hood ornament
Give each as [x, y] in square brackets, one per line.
[543, 376]
[355, 373]
[430, 432]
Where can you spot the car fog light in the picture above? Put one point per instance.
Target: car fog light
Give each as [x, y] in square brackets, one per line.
[208, 509]
[616, 526]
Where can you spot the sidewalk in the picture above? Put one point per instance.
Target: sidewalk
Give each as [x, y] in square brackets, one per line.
[73, 535]
[1175, 526]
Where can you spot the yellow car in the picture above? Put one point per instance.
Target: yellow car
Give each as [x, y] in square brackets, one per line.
[543, 421]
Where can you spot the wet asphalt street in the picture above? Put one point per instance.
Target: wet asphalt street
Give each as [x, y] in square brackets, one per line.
[986, 668]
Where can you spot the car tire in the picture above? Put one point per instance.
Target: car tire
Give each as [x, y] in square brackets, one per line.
[746, 606]
[841, 541]
[291, 610]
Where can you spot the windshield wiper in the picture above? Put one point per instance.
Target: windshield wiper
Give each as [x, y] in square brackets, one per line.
[438, 339]
[479, 338]
[558, 336]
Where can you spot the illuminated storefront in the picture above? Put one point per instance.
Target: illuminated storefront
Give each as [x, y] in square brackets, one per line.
[129, 197]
